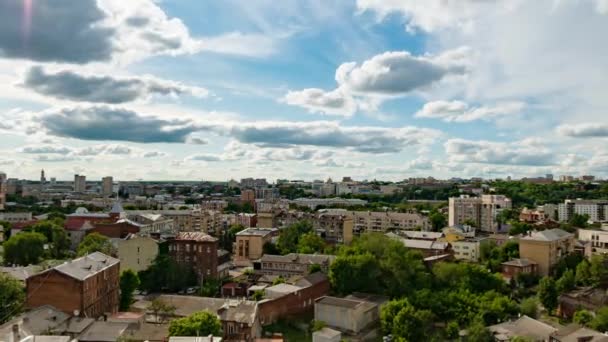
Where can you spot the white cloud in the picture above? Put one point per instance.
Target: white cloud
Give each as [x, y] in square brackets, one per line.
[530, 152]
[458, 111]
[335, 102]
[584, 130]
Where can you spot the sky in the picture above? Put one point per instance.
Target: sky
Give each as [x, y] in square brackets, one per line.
[303, 89]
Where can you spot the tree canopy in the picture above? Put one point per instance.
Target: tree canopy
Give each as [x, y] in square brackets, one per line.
[129, 281]
[12, 297]
[26, 248]
[95, 242]
[203, 323]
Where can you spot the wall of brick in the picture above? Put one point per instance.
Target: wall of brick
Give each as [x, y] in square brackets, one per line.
[292, 304]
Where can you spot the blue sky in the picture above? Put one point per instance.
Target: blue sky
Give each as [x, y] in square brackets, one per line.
[303, 89]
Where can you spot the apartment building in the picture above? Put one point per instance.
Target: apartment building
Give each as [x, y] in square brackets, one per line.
[136, 252]
[546, 248]
[291, 264]
[382, 222]
[596, 209]
[107, 186]
[249, 244]
[468, 249]
[197, 250]
[335, 227]
[152, 223]
[596, 241]
[187, 220]
[482, 211]
[80, 183]
[16, 217]
[88, 285]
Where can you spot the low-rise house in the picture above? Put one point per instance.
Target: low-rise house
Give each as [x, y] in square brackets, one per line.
[426, 247]
[136, 252]
[334, 227]
[239, 318]
[546, 248]
[582, 298]
[577, 333]
[21, 273]
[295, 297]
[468, 249]
[88, 285]
[291, 264]
[524, 326]
[119, 229]
[346, 315]
[249, 244]
[512, 268]
[103, 331]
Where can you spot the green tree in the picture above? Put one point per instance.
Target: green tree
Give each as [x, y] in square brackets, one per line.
[566, 283]
[95, 242]
[210, 287]
[167, 275]
[579, 221]
[6, 226]
[161, 310]
[129, 281]
[12, 297]
[352, 273]
[479, 333]
[583, 274]
[529, 307]
[203, 323]
[258, 295]
[24, 249]
[403, 320]
[278, 280]
[583, 317]
[598, 270]
[290, 236]
[310, 243]
[270, 248]
[600, 322]
[438, 220]
[317, 325]
[314, 268]
[547, 293]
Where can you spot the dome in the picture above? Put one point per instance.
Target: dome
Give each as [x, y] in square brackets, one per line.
[81, 210]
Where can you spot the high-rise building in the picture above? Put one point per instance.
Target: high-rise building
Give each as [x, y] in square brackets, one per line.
[2, 190]
[482, 211]
[42, 177]
[107, 186]
[80, 183]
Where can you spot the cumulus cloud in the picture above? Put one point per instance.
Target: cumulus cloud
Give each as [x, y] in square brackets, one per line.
[40, 149]
[317, 100]
[458, 111]
[53, 158]
[87, 31]
[332, 134]
[584, 130]
[529, 152]
[208, 157]
[154, 154]
[399, 72]
[71, 85]
[107, 123]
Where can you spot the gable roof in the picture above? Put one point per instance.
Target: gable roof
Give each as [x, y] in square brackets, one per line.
[548, 235]
[524, 326]
[85, 266]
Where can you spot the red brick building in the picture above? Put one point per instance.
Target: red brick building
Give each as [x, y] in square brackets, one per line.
[119, 229]
[512, 268]
[89, 285]
[197, 250]
[313, 286]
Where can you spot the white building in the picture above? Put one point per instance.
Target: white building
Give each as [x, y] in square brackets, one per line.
[482, 211]
[596, 209]
[596, 241]
[468, 249]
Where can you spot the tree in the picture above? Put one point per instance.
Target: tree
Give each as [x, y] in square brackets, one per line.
[290, 236]
[95, 242]
[278, 280]
[583, 317]
[403, 320]
[583, 274]
[317, 325]
[352, 273]
[270, 248]
[161, 310]
[314, 268]
[12, 297]
[600, 322]
[310, 243]
[210, 287]
[438, 220]
[60, 247]
[547, 293]
[258, 295]
[7, 229]
[598, 270]
[477, 332]
[566, 283]
[129, 281]
[202, 323]
[579, 221]
[167, 275]
[24, 249]
[529, 307]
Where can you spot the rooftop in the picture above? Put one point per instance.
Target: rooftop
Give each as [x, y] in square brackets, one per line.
[548, 235]
[104, 331]
[257, 231]
[519, 262]
[195, 339]
[328, 333]
[85, 266]
[523, 326]
[348, 303]
[299, 258]
[195, 236]
[241, 311]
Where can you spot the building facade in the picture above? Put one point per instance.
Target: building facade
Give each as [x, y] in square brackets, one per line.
[88, 285]
[250, 242]
[481, 211]
[546, 248]
[197, 250]
[597, 210]
[334, 227]
[291, 264]
[135, 252]
[107, 186]
[3, 190]
[596, 241]
[80, 183]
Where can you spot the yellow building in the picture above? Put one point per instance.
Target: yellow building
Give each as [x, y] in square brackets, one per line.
[249, 244]
[135, 252]
[546, 248]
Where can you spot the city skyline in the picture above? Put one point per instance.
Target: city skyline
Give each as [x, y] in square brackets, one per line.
[190, 90]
